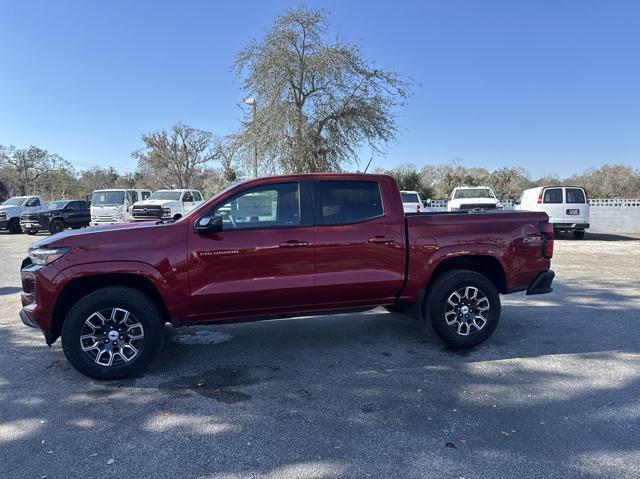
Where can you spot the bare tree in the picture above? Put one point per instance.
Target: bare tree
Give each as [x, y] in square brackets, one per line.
[175, 158]
[317, 101]
[29, 164]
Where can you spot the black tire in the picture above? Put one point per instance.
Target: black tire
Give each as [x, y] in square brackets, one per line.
[578, 234]
[56, 226]
[142, 309]
[14, 226]
[177, 216]
[436, 306]
[32, 232]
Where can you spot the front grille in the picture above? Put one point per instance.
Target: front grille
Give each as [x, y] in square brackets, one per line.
[151, 212]
[3, 216]
[478, 206]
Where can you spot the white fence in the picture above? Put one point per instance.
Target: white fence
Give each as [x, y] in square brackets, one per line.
[617, 215]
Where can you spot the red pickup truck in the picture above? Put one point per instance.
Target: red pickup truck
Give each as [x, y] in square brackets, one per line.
[276, 247]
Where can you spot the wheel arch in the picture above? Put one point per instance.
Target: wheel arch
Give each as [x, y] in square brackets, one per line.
[485, 264]
[79, 287]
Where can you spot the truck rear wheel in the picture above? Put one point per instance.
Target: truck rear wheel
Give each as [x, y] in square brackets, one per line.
[463, 307]
[113, 333]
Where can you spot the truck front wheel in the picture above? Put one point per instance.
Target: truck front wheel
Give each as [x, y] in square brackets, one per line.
[113, 333]
[14, 226]
[56, 226]
[463, 307]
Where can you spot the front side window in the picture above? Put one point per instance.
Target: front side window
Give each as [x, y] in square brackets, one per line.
[188, 197]
[33, 202]
[575, 195]
[553, 195]
[145, 195]
[345, 202]
[267, 206]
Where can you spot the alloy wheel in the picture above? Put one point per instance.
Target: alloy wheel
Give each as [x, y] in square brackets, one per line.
[467, 310]
[111, 337]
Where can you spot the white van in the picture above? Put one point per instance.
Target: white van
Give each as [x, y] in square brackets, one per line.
[113, 206]
[411, 201]
[567, 206]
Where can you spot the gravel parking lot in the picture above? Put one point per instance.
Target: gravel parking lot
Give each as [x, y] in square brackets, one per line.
[554, 393]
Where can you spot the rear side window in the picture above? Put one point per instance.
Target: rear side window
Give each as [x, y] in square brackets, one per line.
[575, 195]
[197, 196]
[345, 202]
[553, 195]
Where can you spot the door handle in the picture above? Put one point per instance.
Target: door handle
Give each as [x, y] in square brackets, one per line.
[381, 240]
[293, 244]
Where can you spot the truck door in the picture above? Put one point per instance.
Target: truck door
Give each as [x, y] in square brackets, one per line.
[359, 243]
[262, 262]
[553, 204]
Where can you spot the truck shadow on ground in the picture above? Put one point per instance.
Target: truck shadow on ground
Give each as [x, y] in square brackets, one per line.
[599, 237]
[341, 396]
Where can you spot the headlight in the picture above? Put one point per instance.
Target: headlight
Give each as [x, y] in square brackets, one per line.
[45, 256]
[166, 211]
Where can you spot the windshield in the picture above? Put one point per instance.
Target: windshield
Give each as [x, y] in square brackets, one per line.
[474, 193]
[166, 195]
[56, 205]
[106, 198]
[410, 198]
[17, 201]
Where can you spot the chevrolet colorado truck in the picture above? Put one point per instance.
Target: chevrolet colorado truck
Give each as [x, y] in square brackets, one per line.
[278, 247]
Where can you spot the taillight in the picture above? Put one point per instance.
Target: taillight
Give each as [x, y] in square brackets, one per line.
[547, 245]
[540, 197]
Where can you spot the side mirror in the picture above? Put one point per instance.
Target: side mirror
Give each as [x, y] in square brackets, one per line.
[209, 224]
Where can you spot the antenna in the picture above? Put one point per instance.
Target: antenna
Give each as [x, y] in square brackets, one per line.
[368, 164]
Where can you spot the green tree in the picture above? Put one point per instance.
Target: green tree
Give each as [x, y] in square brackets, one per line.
[317, 99]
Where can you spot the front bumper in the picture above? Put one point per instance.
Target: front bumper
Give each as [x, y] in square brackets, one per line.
[542, 283]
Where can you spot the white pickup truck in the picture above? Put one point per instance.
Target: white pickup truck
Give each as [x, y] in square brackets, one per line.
[166, 205]
[11, 210]
[472, 198]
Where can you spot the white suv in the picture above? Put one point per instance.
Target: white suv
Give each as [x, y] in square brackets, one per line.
[567, 207]
[166, 205]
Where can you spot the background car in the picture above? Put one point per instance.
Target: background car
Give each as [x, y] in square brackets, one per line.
[469, 198]
[56, 216]
[411, 201]
[567, 207]
[11, 210]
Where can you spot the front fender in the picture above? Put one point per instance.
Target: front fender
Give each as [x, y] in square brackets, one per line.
[169, 292]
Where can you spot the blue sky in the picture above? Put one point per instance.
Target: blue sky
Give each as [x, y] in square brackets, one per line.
[552, 86]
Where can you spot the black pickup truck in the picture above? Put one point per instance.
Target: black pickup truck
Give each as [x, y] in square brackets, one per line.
[56, 216]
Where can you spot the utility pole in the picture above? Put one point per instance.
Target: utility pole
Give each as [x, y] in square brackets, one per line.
[253, 103]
